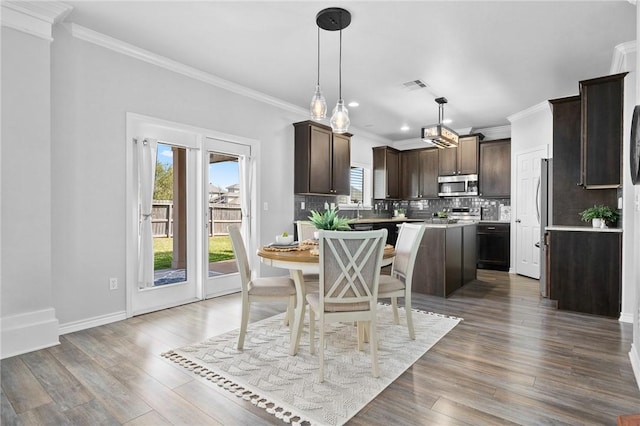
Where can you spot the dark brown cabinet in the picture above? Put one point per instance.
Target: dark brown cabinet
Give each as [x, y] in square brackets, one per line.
[419, 173]
[589, 280]
[493, 241]
[495, 168]
[386, 173]
[462, 160]
[446, 260]
[601, 131]
[322, 160]
[569, 198]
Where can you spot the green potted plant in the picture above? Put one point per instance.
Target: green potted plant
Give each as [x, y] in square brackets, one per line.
[329, 220]
[599, 215]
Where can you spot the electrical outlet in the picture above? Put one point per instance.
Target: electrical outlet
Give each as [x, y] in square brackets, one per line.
[113, 283]
[265, 206]
[302, 205]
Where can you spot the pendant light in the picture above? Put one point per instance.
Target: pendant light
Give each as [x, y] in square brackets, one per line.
[318, 103]
[439, 134]
[337, 19]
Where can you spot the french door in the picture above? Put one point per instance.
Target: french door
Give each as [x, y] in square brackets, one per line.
[227, 185]
[167, 267]
[185, 186]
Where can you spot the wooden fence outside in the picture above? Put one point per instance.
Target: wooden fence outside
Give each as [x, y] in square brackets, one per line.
[219, 218]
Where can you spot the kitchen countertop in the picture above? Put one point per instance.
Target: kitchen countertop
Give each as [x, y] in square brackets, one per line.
[449, 225]
[388, 219]
[581, 229]
[495, 221]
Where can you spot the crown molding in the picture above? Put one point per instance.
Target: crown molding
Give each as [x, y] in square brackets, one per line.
[35, 18]
[542, 106]
[619, 61]
[493, 133]
[103, 40]
[127, 49]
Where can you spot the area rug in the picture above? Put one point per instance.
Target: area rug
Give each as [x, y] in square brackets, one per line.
[287, 386]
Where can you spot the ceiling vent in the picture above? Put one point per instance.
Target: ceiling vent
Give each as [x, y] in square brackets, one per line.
[415, 85]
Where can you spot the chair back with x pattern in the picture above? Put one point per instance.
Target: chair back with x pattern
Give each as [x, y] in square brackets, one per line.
[350, 268]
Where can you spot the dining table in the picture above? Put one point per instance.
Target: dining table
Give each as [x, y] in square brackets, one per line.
[300, 259]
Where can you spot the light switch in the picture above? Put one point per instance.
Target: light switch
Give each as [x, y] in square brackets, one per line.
[302, 205]
[265, 206]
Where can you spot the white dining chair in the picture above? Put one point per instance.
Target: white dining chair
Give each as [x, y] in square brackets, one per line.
[258, 289]
[305, 230]
[349, 273]
[398, 284]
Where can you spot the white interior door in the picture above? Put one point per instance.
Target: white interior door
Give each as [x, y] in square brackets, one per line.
[228, 192]
[527, 224]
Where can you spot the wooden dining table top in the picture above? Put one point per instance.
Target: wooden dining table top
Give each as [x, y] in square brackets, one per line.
[305, 255]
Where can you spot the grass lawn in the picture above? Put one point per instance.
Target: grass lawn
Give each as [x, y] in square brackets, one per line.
[219, 249]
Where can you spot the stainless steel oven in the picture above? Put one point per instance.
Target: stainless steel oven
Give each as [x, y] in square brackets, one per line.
[458, 186]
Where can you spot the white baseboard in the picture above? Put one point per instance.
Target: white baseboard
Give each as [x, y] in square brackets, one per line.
[634, 355]
[70, 327]
[27, 332]
[625, 317]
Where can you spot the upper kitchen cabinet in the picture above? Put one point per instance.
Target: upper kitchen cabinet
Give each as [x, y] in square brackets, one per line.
[601, 131]
[419, 173]
[322, 160]
[462, 160]
[568, 197]
[386, 173]
[495, 168]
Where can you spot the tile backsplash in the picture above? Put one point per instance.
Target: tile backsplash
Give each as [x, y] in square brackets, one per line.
[421, 209]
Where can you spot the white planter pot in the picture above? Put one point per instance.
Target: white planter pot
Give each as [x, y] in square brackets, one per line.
[596, 223]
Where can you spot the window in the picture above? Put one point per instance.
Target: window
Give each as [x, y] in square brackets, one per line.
[357, 184]
[360, 192]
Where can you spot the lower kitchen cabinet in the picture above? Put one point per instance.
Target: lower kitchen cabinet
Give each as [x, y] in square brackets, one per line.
[585, 271]
[446, 260]
[494, 242]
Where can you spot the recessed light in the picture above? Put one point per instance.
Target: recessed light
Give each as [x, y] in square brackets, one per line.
[353, 104]
[405, 128]
[447, 121]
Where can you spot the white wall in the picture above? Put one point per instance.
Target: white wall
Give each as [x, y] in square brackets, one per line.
[28, 319]
[634, 354]
[93, 89]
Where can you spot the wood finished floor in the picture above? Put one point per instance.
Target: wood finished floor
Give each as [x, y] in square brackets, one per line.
[513, 360]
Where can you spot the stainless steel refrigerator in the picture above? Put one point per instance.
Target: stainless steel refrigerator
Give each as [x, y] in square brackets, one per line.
[544, 201]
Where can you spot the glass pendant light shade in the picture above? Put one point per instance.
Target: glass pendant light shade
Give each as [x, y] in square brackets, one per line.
[340, 118]
[318, 105]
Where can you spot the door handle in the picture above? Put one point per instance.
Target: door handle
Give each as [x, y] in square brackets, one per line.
[518, 221]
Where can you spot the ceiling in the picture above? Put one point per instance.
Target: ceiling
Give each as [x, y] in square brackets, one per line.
[489, 59]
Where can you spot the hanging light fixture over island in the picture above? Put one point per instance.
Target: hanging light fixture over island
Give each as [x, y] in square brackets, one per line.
[439, 134]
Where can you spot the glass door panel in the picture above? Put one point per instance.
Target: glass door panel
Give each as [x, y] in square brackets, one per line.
[228, 195]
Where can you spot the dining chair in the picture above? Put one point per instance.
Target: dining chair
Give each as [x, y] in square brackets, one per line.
[258, 289]
[349, 274]
[398, 284]
[305, 230]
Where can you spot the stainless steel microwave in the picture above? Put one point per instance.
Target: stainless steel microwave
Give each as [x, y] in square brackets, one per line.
[458, 186]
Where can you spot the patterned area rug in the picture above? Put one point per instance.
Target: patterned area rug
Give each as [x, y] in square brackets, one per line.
[288, 387]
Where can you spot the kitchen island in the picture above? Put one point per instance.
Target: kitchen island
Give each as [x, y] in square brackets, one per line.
[446, 258]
